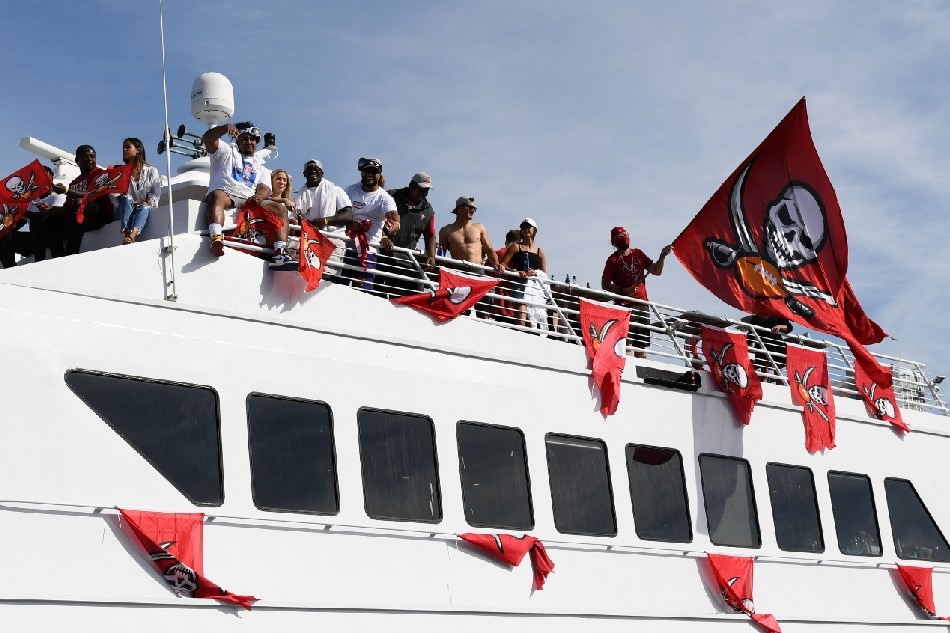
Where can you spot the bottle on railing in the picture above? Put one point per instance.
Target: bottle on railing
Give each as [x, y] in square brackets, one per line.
[567, 279]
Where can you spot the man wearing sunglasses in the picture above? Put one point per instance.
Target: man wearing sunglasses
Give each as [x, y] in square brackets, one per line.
[467, 240]
[237, 175]
[372, 207]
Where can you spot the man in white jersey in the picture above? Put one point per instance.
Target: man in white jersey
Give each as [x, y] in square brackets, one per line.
[372, 207]
[237, 175]
[326, 206]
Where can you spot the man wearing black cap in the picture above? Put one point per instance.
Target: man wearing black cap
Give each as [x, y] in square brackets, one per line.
[372, 206]
[237, 174]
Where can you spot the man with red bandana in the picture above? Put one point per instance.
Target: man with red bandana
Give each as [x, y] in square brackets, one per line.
[625, 274]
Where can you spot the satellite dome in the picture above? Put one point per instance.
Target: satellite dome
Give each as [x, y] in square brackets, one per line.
[212, 99]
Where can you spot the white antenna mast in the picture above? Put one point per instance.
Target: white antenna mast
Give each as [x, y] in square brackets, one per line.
[172, 293]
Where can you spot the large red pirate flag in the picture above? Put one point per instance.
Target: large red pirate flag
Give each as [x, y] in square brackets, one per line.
[456, 294]
[101, 182]
[604, 330]
[919, 582]
[878, 399]
[174, 543]
[512, 549]
[314, 252]
[18, 190]
[256, 226]
[727, 355]
[772, 241]
[811, 389]
[733, 575]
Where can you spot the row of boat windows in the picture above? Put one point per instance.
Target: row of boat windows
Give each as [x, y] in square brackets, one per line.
[176, 428]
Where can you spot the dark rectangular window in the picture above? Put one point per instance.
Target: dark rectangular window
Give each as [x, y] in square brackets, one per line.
[293, 464]
[794, 508]
[400, 473]
[916, 535]
[658, 493]
[852, 503]
[580, 486]
[495, 487]
[175, 427]
[730, 501]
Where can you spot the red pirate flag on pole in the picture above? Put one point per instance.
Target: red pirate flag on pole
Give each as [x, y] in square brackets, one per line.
[101, 182]
[733, 575]
[256, 226]
[456, 294]
[771, 241]
[811, 389]
[727, 355]
[174, 543]
[878, 399]
[512, 549]
[604, 330]
[314, 252]
[18, 190]
[919, 582]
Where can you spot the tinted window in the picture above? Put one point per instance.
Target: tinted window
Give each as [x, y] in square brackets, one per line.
[293, 466]
[794, 509]
[730, 502]
[175, 427]
[658, 493]
[852, 503]
[580, 486]
[495, 487]
[916, 536]
[400, 479]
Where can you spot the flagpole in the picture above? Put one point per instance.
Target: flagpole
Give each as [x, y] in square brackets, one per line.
[172, 294]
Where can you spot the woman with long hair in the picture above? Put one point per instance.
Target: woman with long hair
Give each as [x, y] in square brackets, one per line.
[282, 191]
[528, 260]
[144, 189]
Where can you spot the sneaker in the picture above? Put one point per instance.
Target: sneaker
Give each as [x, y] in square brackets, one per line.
[281, 261]
[217, 245]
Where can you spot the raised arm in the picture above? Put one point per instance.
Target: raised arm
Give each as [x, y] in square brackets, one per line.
[212, 136]
[657, 267]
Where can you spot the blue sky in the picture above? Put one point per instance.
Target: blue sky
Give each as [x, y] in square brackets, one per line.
[580, 115]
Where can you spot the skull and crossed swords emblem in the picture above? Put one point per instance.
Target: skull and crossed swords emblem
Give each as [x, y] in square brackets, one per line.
[729, 374]
[814, 396]
[795, 230]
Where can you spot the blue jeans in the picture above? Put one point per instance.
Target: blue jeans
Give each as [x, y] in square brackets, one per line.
[133, 216]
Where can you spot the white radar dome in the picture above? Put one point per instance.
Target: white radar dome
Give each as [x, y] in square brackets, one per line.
[212, 99]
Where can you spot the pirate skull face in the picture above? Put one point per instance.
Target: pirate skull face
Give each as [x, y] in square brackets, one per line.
[16, 186]
[885, 409]
[794, 228]
[734, 373]
[102, 180]
[182, 579]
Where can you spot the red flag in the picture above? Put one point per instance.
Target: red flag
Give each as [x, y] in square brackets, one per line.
[255, 225]
[878, 399]
[10, 214]
[356, 231]
[733, 575]
[456, 294]
[772, 241]
[811, 389]
[604, 330]
[919, 582]
[26, 184]
[727, 355]
[101, 182]
[174, 543]
[512, 549]
[314, 252]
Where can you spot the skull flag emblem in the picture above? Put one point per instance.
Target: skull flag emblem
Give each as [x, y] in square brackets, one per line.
[878, 399]
[101, 182]
[811, 389]
[314, 252]
[727, 355]
[771, 241]
[456, 294]
[605, 329]
[733, 575]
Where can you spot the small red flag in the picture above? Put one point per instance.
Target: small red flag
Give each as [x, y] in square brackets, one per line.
[255, 225]
[456, 294]
[314, 252]
[512, 549]
[727, 355]
[10, 214]
[101, 182]
[772, 241]
[26, 184]
[919, 582]
[604, 330]
[878, 399]
[733, 575]
[174, 543]
[811, 388]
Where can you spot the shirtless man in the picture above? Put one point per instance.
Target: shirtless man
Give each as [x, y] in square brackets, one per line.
[467, 240]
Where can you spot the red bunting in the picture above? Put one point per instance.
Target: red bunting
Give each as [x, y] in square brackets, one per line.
[314, 252]
[512, 549]
[727, 355]
[174, 543]
[811, 388]
[733, 575]
[456, 294]
[878, 399]
[771, 241]
[255, 225]
[604, 330]
[919, 582]
[356, 231]
[18, 190]
[101, 182]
